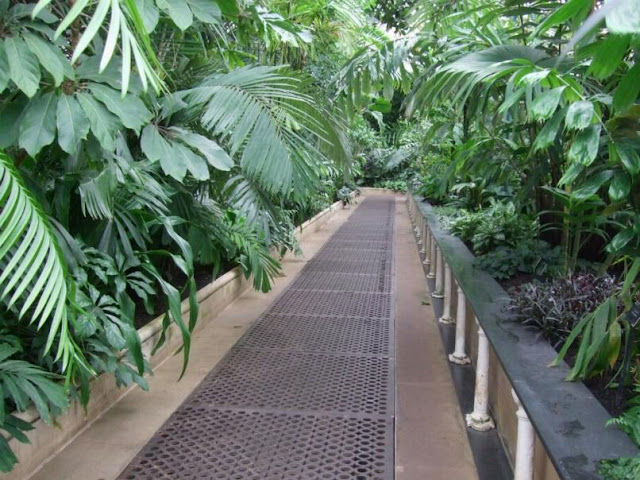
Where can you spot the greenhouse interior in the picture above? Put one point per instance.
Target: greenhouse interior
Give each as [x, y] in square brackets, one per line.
[320, 239]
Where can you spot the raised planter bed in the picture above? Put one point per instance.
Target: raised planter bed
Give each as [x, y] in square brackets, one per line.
[47, 440]
[569, 422]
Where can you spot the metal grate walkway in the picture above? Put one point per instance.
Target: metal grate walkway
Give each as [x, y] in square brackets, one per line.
[308, 392]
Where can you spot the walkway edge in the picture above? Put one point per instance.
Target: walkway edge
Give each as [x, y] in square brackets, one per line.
[47, 441]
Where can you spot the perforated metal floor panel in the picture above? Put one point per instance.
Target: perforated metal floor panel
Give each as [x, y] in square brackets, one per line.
[308, 392]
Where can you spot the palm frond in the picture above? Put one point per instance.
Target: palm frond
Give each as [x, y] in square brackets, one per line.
[34, 276]
[263, 114]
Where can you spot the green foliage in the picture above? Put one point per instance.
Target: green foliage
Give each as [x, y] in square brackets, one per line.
[602, 333]
[628, 422]
[529, 257]
[395, 185]
[498, 225]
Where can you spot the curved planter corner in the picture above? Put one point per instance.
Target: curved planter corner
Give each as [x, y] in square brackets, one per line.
[569, 423]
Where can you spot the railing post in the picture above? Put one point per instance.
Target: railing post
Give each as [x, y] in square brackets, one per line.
[432, 258]
[419, 227]
[459, 355]
[427, 246]
[448, 281]
[438, 290]
[425, 237]
[523, 469]
[480, 419]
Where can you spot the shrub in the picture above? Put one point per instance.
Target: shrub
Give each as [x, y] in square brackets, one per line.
[498, 225]
[395, 185]
[554, 307]
[629, 423]
[530, 256]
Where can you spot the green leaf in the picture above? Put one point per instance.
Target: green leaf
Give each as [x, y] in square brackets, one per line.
[608, 56]
[381, 105]
[546, 103]
[620, 186]
[571, 174]
[629, 157]
[179, 12]
[103, 123]
[628, 89]
[48, 56]
[23, 65]
[573, 9]
[584, 148]
[214, 154]
[548, 133]
[621, 240]
[591, 186]
[38, 127]
[206, 11]
[72, 123]
[149, 14]
[10, 113]
[579, 115]
[157, 148]
[131, 110]
[4, 68]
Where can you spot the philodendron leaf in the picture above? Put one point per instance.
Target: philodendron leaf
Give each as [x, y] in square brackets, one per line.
[23, 65]
[72, 123]
[591, 186]
[38, 126]
[584, 148]
[620, 186]
[579, 115]
[546, 103]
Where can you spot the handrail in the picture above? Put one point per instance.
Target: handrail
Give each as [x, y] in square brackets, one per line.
[568, 419]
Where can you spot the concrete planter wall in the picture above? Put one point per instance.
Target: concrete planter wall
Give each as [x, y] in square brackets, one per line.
[48, 440]
[568, 437]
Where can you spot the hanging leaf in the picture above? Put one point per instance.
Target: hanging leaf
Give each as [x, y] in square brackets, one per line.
[72, 123]
[206, 11]
[149, 13]
[131, 111]
[584, 148]
[608, 56]
[214, 154]
[179, 12]
[591, 186]
[546, 103]
[103, 123]
[38, 126]
[628, 89]
[579, 115]
[195, 164]
[49, 58]
[620, 186]
[548, 133]
[23, 65]
[629, 157]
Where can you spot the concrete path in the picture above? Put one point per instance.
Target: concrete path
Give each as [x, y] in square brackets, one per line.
[308, 392]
